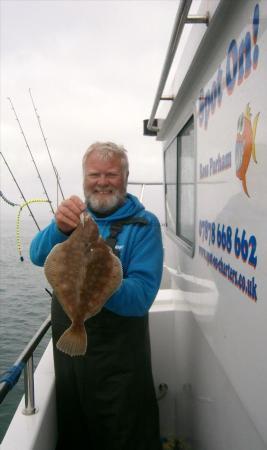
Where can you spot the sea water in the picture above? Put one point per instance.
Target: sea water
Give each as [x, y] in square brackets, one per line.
[24, 304]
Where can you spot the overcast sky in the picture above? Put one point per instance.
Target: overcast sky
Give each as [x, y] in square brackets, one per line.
[93, 68]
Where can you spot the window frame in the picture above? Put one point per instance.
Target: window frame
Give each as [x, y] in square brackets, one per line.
[186, 245]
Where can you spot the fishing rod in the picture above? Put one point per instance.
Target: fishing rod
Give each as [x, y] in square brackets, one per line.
[28, 147]
[9, 202]
[22, 195]
[45, 141]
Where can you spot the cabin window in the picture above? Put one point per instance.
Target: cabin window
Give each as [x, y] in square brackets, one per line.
[171, 185]
[180, 185]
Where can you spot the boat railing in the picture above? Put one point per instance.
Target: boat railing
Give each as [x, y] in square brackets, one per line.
[24, 363]
[181, 19]
[143, 184]
[144, 195]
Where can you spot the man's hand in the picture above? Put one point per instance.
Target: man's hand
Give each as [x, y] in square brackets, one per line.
[68, 213]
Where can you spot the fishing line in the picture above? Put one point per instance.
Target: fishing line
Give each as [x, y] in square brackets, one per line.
[33, 160]
[35, 200]
[8, 201]
[46, 144]
[22, 195]
[49, 292]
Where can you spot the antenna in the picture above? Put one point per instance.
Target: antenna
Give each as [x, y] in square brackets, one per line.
[28, 147]
[45, 141]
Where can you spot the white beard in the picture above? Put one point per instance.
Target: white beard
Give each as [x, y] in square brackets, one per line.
[104, 205]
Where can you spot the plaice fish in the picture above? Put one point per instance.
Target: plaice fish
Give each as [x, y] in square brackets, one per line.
[245, 145]
[84, 273]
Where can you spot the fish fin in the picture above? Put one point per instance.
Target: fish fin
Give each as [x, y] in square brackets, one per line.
[255, 122]
[73, 341]
[244, 184]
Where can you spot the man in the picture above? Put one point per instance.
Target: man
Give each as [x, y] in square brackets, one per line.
[106, 398]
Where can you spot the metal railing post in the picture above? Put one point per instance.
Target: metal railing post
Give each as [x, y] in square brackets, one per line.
[25, 363]
[142, 192]
[29, 388]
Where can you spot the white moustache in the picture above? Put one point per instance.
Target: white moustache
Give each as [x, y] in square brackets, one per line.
[104, 191]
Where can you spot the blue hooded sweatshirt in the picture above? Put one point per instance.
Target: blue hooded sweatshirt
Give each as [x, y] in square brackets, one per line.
[141, 255]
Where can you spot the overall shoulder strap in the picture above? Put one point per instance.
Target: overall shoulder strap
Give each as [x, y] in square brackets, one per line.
[116, 227]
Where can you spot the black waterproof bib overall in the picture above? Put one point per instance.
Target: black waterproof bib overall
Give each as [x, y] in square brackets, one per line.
[106, 399]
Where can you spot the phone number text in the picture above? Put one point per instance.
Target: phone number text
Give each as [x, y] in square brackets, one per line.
[232, 240]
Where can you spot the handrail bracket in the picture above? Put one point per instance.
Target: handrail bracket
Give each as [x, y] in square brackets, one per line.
[199, 19]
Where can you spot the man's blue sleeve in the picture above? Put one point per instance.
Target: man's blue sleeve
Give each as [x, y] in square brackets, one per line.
[142, 275]
[44, 241]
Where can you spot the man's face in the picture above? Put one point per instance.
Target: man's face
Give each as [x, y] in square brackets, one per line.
[104, 183]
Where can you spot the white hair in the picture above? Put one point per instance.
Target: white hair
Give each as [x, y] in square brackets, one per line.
[107, 150]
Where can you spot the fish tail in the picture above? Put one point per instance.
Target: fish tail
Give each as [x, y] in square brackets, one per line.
[73, 341]
[244, 184]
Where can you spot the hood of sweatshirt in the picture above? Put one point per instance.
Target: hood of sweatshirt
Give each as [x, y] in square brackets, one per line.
[131, 207]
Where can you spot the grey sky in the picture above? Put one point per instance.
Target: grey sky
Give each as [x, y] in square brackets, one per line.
[93, 68]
